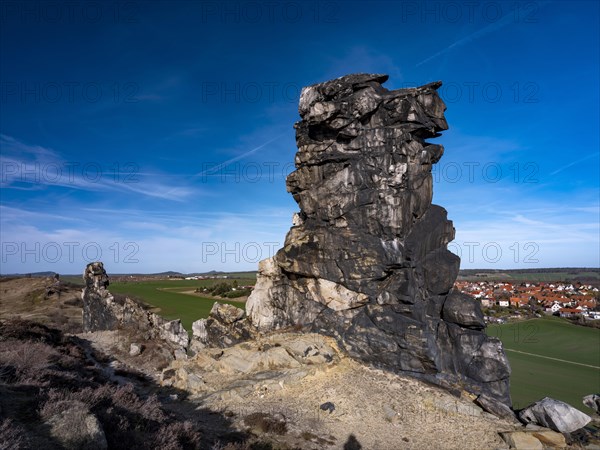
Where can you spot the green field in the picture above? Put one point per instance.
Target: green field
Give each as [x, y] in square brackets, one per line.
[555, 276]
[585, 275]
[166, 295]
[534, 375]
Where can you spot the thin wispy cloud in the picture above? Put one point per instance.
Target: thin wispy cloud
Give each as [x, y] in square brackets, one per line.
[237, 158]
[33, 167]
[12, 214]
[574, 163]
[505, 21]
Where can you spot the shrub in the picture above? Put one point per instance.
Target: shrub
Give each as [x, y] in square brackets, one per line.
[238, 293]
[177, 435]
[44, 376]
[266, 423]
[27, 359]
[12, 436]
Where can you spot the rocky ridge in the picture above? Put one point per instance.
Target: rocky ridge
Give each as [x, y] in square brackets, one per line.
[103, 311]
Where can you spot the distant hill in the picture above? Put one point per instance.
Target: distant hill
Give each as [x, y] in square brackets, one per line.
[583, 274]
[541, 274]
[536, 270]
[169, 273]
[242, 274]
[34, 274]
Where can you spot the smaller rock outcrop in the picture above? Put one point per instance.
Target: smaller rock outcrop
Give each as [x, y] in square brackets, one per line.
[103, 311]
[98, 311]
[225, 326]
[554, 414]
[55, 287]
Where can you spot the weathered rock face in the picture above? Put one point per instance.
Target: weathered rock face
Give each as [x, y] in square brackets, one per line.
[366, 259]
[102, 311]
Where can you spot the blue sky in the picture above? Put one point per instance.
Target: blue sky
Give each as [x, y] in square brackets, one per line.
[157, 135]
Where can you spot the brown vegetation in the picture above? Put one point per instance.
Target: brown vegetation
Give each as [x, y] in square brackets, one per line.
[43, 374]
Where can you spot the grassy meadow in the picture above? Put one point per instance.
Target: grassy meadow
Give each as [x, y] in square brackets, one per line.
[573, 372]
[169, 297]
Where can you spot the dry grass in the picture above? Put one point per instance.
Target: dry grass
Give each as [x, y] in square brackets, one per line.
[266, 423]
[12, 436]
[43, 374]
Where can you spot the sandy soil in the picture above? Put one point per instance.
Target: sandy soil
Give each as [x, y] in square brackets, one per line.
[373, 410]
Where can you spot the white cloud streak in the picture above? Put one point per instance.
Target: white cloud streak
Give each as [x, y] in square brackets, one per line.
[33, 167]
[491, 28]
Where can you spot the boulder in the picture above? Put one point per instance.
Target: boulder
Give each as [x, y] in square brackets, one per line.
[551, 439]
[463, 310]
[170, 330]
[520, 440]
[592, 401]
[554, 414]
[496, 408]
[226, 313]
[135, 349]
[225, 326]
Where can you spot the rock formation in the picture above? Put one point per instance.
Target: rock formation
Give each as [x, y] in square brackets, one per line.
[366, 260]
[103, 311]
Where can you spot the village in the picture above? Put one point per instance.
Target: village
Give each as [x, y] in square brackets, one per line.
[564, 299]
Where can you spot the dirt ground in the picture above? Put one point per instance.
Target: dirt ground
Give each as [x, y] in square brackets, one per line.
[370, 408]
[39, 300]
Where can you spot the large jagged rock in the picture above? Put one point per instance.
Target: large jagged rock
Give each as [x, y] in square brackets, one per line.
[554, 414]
[366, 260]
[102, 311]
